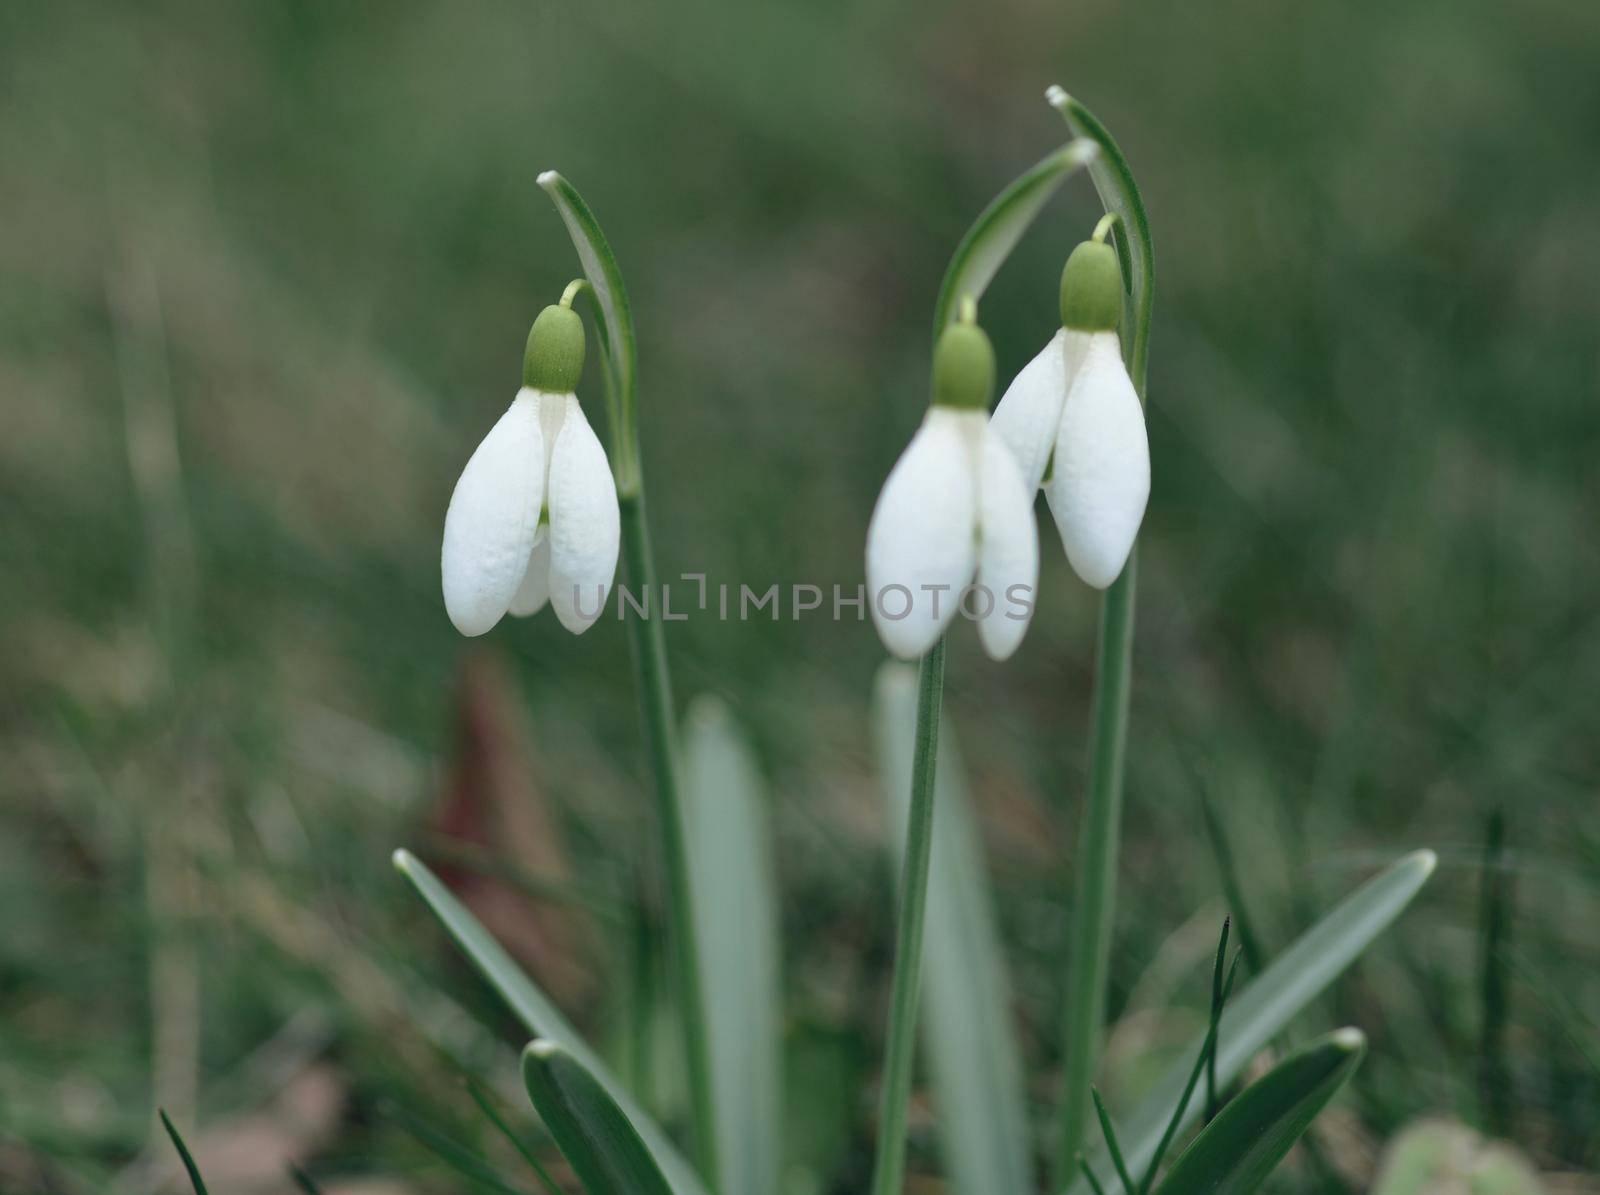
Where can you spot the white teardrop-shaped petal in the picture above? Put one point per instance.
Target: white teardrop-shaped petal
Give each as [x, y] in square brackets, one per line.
[585, 525]
[1101, 479]
[1008, 552]
[488, 530]
[921, 543]
[534, 591]
[1030, 410]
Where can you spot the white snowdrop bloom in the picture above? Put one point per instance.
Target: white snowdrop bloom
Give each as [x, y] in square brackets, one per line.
[953, 529]
[1072, 413]
[534, 517]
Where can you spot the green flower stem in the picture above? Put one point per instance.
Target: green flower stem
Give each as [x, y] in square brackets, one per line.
[1095, 904]
[889, 1168]
[654, 687]
[614, 325]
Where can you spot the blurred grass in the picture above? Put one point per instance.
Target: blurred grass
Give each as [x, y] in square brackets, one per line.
[268, 269]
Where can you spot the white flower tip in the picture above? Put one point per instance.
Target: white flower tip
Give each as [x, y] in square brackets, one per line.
[471, 618]
[548, 178]
[1056, 96]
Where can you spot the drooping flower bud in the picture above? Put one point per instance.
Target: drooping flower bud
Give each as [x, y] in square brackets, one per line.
[534, 518]
[1075, 425]
[963, 367]
[553, 360]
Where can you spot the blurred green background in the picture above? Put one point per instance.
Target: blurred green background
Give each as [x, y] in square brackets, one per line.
[268, 268]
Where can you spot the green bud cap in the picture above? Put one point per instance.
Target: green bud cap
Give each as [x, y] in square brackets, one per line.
[963, 368]
[553, 361]
[1091, 289]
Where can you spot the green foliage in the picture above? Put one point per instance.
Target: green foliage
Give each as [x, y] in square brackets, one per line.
[592, 1131]
[978, 1096]
[536, 1011]
[727, 812]
[1235, 1153]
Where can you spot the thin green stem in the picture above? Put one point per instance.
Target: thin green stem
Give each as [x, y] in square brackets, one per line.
[481, 1098]
[889, 1168]
[654, 686]
[1095, 904]
[1104, 227]
[574, 288]
[1109, 1131]
[1095, 898]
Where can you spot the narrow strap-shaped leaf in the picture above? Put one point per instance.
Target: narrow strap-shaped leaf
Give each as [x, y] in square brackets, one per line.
[725, 807]
[1119, 193]
[536, 1011]
[195, 1180]
[1289, 983]
[1234, 1153]
[594, 1134]
[998, 228]
[617, 339]
[972, 1053]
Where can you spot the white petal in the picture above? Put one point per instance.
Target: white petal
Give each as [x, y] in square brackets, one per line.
[488, 530]
[1008, 552]
[585, 526]
[534, 591]
[1101, 479]
[1030, 410]
[922, 534]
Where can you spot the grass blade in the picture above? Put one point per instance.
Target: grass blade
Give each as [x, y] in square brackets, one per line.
[736, 925]
[1286, 986]
[593, 1132]
[486, 1106]
[1109, 1132]
[1234, 1153]
[1208, 1057]
[971, 1050]
[537, 1012]
[303, 1180]
[1495, 913]
[195, 1180]
[1217, 997]
[998, 228]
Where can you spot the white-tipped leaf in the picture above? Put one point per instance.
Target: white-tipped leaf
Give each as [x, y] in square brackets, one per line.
[1008, 551]
[489, 527]
[585, 526]
[534, 591]
[921, 543]
[1100, 481]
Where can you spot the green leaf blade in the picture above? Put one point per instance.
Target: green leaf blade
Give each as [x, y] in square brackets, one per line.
[1259, 1013]
[617, 340]
[726, 805]
[537, 1012]
[594, 1134]
[998, 228]
[1234, 1153]
[971, 1050]
[1114, 183]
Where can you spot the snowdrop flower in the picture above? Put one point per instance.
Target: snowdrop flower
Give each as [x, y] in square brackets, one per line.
[1072, 412]
[534, 517]
[954, 510]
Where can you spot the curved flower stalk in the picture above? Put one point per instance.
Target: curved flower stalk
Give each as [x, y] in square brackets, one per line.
[652, 680]
[1094, 903]
[1075, 425]
[534, 519]
[953, 528]
[975, 262]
